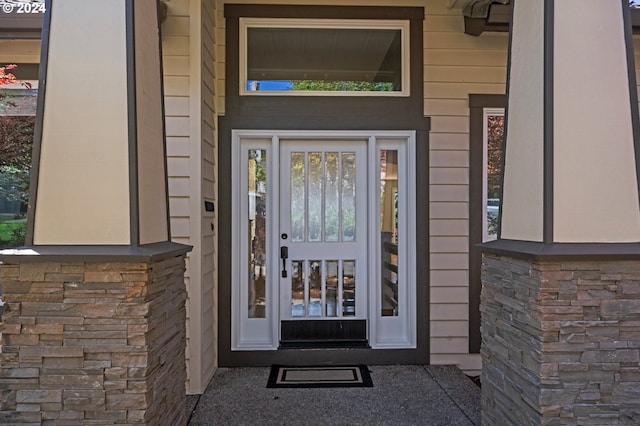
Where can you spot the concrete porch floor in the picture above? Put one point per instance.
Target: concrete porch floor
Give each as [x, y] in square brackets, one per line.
[401, 395]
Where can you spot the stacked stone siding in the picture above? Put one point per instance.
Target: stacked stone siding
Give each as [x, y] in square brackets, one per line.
[561, 342]
[93, 343]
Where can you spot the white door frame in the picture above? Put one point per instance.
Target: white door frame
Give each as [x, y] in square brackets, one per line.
[385, 332]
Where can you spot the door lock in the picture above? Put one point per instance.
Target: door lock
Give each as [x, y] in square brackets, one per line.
[284, 255]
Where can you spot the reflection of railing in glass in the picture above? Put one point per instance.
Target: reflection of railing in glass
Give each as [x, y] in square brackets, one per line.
[389, 231]
[349, 288]
[257, 220]
[310, 299]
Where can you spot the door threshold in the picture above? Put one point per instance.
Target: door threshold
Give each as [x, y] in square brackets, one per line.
[324, 344]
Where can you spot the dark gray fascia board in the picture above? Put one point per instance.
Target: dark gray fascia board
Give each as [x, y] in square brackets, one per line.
[94, 253]
[537, 251]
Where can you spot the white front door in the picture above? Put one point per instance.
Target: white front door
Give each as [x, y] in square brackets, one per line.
[323, 247]
[323, 235]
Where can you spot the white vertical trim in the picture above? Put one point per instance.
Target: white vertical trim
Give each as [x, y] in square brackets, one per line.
[273, 307]
[373, 211]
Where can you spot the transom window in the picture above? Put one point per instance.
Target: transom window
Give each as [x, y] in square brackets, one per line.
[324, 57]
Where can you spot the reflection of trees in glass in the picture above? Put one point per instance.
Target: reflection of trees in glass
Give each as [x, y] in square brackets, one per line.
[341, 86]
[495, 136]
[16, 141]
[495, 152]
[298, 195]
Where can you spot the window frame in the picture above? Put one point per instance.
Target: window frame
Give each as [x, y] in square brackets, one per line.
[478, 104]
[312, 23]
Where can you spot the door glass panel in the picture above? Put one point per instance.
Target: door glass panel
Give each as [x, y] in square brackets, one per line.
[349, 288]
[348, 196]
[389, 231]
[297, 289]
[331, 287]
[257, 192]
[331, 197]
[315, 288]
[315, 197]
[298, 196]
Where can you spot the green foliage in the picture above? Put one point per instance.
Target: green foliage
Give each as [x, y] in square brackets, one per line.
[341, 86]
[495, 152]
[12, 233]
[14, 184]
[16, 140]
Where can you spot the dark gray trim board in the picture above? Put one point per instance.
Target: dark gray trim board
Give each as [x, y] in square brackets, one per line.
[162, 15]
[98, 253]
[633, 90]
[548, 130]
[477, 104]
[132, 125]
[323, 113]
[322, 12]
[37, 136]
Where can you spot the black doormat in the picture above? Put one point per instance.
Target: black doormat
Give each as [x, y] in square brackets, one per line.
[352, 376]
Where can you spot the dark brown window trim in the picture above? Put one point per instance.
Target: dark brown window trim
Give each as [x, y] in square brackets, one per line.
[323, 12]
[477, 103]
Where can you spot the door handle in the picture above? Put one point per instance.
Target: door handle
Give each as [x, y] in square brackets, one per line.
[284, 255]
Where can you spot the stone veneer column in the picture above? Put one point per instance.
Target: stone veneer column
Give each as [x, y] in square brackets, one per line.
[560, 302]
[561, 341]
[94, 326]
[94, 341]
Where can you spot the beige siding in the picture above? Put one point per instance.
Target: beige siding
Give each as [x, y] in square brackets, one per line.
[455, 66]
[209, 225]
[175, 47]
[189, 65]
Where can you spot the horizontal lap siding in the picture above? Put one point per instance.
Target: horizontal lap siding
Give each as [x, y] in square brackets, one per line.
[455, 65]
[209, 141]
[178, 120]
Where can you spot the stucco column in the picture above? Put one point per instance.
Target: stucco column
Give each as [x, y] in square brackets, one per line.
[559, 300]
[94, 324]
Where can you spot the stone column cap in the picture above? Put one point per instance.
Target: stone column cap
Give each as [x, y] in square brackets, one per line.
[95, 253]
[563, 251]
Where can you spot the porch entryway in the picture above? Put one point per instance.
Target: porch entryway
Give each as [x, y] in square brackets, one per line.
[335, 292]
[323, 251]
[402, 394]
